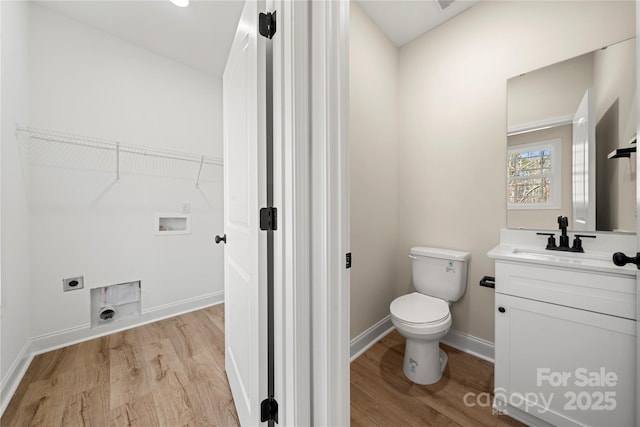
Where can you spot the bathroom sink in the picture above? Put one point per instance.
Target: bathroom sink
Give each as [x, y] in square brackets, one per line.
[528, 247]
[587, 260]
[576, 257]
[592, 260]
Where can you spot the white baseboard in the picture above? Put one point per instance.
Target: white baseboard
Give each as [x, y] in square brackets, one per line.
[66, 337]
[460, 340]
[365, 340]
[519, 415]
[469, 344]
[14, 375]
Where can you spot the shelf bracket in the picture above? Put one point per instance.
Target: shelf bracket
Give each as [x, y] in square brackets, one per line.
[117, 162]
[199, 172]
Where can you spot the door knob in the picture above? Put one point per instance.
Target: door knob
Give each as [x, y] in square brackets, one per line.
[221, 239]
[621, 259]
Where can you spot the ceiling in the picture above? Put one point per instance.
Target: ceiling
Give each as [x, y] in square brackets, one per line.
[404, 20]
[200, 35]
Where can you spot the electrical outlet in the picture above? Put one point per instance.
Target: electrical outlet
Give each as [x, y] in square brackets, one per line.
[72, 283]
[186, 207]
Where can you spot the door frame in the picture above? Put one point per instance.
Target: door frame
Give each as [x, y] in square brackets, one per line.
[292, 304]
[330, 211]
[637, 212]
[311, 191]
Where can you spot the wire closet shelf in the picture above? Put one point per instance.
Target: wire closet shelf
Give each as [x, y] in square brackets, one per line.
[119, 148]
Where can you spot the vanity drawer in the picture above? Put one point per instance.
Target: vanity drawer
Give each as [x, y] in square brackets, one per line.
[601, 293]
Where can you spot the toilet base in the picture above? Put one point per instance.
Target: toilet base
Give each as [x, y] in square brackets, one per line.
[424, 362]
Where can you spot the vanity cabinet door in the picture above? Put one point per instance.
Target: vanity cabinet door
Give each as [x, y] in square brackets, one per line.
[563, 365]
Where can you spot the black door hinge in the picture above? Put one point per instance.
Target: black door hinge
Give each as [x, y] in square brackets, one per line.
[269, 410]
[267, 24]
[348, 259]
[268, 219]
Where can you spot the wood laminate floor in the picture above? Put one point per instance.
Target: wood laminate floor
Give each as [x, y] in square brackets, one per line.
[381, 395]
[168, 373]
[171, 373]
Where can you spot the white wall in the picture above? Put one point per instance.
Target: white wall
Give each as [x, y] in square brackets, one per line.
[86, 82]
[452, 126]
[373, 170]
[15, 327]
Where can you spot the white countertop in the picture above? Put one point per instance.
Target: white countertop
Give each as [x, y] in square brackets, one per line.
[524, 246]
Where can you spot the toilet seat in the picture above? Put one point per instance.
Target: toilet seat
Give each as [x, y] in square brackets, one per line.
[419, 309]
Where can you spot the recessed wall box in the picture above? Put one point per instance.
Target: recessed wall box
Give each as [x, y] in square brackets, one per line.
[172, 223]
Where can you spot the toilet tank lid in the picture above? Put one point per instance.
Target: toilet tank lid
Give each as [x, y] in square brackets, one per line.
[440, 253]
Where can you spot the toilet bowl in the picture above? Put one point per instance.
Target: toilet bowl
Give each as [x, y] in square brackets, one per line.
[423, 321]
[423, 317]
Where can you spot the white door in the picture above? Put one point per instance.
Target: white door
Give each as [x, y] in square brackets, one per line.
[245, 306]
[584, 165]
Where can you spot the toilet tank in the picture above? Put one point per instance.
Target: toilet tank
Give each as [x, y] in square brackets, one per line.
[440, 273]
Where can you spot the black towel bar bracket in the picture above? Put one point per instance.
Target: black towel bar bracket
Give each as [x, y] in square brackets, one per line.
[488, 282]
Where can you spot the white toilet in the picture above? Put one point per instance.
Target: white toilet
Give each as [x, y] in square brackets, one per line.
[423, 317]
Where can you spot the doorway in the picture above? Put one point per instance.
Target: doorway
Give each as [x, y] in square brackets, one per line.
[106, 132]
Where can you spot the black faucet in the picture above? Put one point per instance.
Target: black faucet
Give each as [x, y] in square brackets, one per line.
[563, 223]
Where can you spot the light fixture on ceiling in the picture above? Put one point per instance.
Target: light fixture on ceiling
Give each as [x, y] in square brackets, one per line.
[180, 3]
[444, 3]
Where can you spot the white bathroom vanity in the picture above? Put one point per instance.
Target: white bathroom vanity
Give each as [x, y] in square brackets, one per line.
[564, 331]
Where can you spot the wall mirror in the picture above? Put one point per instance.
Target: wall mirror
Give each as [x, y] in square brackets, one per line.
[571, 131]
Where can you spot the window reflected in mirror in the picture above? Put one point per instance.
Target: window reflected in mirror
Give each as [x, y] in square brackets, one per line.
[533, 180]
